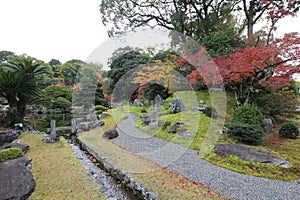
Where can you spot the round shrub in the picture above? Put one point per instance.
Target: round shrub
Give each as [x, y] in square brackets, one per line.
[11, 153]
[247, 133]
[248, 114]
[210, 112]
[289, 130]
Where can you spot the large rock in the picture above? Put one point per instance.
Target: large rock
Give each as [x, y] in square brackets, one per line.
[110, 134]
[177, 106]
[250, 154]
[9, 136]
[23, 147]
[174, 126]
[16, 179]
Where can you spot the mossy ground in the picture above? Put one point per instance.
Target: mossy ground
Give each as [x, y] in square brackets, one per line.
[165, 184]
[198, 124]
[58, 174]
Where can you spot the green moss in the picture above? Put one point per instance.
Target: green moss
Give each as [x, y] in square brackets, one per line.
[198, 124]
[11, 153]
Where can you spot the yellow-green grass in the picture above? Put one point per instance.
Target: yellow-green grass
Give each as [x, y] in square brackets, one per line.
[58, 174]
[165, 184]
[286, 148]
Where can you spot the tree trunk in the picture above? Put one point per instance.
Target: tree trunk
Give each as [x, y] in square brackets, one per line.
[20, 111]
[250, 18]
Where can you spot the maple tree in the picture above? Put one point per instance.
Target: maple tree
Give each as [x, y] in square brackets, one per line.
[162, 73]
[250, 69]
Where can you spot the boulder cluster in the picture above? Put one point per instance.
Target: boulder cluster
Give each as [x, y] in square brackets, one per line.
[16, 179]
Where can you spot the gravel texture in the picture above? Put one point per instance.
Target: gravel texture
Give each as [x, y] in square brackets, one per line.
[186, 162]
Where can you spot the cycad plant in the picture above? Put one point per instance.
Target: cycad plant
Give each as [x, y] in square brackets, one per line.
[18, 84]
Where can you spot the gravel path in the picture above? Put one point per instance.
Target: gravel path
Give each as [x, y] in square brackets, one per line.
[187, 163]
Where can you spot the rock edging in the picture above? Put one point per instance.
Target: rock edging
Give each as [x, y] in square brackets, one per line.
[120, 175]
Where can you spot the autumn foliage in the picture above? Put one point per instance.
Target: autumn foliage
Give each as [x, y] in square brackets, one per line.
[251, 68]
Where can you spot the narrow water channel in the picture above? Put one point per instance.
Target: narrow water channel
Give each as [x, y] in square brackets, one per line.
[109, 187]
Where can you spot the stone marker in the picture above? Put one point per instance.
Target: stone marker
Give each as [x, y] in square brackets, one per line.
[268, 125]
[158, 100]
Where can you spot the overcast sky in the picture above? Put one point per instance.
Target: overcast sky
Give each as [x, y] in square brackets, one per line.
[45, 29]
[61, 29]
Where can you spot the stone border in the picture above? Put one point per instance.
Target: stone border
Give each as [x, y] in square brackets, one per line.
[138, 189]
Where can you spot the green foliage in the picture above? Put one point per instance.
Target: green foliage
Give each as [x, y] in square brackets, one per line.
[275, 103]
[248, 114]
[122, 63]
[5, 54]
[289, 130]
[247, 133]
[56, 97]
[152, 90]
[19, 80]
[210, 112]
[11, 153]
[222, 42]
[99, 109]
[69, 71]
[62, 102]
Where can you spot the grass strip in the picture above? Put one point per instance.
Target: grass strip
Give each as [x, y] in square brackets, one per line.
[58, 174]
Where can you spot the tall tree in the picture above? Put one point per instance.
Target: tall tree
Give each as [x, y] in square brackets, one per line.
[274, 10]
[122, 63]
[251, 69]
[193, 18]
[70, 69]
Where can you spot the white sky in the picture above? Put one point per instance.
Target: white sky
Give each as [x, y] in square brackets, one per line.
[45, 29]
[61, 29]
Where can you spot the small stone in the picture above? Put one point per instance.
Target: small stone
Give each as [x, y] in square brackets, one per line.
[110, 134]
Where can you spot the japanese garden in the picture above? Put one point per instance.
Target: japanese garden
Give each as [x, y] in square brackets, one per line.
[213, 116]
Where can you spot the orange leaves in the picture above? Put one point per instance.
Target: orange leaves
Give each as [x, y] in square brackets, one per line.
[161, 73]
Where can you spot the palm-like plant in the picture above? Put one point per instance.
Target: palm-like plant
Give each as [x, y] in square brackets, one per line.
[18, 83]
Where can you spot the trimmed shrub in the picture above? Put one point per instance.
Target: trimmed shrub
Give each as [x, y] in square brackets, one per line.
[210, 112]
[11, 153]
[247, 133]
[248, 114]
[99, 109]
[289, 130]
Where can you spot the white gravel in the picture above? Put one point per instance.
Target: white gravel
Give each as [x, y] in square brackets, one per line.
[187, 163]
